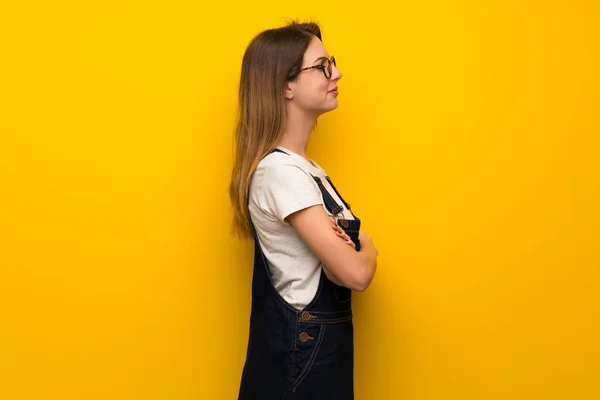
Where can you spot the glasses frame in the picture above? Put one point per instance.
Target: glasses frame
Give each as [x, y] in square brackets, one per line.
[326, 66]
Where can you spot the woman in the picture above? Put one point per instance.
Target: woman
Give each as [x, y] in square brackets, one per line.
[309, 250]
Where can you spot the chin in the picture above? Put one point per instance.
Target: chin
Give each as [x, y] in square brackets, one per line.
[332, 106]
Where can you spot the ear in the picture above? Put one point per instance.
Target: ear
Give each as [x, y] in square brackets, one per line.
[289, 91]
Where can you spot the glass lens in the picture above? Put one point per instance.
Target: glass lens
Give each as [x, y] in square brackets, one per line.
[327, 69]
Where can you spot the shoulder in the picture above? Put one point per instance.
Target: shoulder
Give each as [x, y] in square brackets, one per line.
[280, 168]
[281, 175]
[284, 186]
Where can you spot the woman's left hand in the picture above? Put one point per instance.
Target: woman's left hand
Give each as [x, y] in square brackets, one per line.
[340, 232]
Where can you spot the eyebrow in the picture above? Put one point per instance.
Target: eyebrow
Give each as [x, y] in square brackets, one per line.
[320, 58]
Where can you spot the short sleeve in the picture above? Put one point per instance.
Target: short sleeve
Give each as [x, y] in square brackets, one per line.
[287, 189]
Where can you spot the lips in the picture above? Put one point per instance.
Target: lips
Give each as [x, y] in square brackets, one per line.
[333, 90]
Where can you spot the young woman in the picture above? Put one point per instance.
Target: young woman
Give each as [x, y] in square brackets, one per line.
[309, 249]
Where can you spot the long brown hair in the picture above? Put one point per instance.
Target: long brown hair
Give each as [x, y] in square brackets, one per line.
[271, 59]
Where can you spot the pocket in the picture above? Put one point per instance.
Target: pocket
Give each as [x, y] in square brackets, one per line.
[307, 354]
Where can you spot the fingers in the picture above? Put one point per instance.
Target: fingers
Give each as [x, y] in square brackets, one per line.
[340, 232]
[336, 228]
[343, 235]
[350, 243]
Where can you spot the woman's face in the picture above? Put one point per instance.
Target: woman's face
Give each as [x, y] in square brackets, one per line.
[312, 91]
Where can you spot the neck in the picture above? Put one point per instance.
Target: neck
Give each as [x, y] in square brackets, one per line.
[299, 125]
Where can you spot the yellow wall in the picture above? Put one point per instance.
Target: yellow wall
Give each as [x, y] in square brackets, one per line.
[466, 139]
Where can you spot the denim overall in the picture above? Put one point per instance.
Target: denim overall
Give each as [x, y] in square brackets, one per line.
[300, 354]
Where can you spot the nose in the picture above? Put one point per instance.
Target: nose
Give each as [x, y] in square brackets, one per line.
[336, 74]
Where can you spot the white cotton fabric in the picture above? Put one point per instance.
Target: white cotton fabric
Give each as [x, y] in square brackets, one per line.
[280, 186]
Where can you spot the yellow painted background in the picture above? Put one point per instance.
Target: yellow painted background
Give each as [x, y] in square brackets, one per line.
[466, 138]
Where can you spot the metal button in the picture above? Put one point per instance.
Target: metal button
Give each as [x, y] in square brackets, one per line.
[305, 316]
[304, 337]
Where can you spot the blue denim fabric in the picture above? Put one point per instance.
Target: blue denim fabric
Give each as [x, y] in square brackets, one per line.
[300, 354]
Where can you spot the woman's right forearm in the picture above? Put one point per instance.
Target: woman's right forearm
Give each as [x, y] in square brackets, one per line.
[368, 264]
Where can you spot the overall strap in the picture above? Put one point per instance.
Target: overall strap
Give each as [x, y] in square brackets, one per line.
[338, 193]
[332, 206]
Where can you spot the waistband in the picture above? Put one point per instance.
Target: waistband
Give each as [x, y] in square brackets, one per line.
[324, 317]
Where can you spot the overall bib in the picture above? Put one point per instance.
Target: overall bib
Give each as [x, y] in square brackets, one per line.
[300, 354]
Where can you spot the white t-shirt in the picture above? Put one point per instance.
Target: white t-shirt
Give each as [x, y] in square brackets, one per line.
[280, 186]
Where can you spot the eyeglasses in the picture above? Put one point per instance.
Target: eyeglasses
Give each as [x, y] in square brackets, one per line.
[325, 66]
